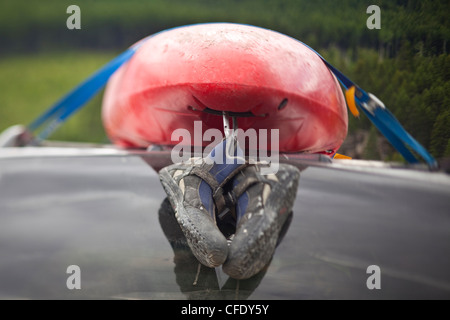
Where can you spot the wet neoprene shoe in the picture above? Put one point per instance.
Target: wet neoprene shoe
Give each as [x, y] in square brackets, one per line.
[195, 190]
[194, 209]
[263, 204]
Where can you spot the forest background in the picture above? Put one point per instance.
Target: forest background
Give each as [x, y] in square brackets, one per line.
[405, 63]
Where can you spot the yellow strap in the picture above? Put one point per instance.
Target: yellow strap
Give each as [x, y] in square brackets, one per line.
[350, 97]
[341, 156]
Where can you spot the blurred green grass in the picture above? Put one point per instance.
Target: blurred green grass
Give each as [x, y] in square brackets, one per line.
[32, 83]
[406, 63]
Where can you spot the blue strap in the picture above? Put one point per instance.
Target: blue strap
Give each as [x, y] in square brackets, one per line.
[386, 123]
[391, 128]
[384, 120]
[79, 96]
[346, 82]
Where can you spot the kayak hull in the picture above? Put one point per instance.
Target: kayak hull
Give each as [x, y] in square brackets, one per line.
[194, 73]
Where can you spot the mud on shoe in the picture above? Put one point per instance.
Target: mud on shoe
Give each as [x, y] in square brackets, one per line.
[194, 210]
[263, 204]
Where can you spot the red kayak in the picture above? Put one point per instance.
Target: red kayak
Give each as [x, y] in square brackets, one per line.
[194, 73]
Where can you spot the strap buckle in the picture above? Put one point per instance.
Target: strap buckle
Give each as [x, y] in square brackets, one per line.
[372, 103]
[368, 101]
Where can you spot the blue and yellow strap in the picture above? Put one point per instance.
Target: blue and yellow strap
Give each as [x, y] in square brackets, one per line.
[382, 118]
[372, 107]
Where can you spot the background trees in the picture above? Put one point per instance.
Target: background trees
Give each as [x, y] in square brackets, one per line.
[405, 63]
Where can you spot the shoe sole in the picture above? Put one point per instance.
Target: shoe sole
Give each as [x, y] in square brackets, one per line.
[254, 244]
[206, 241]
